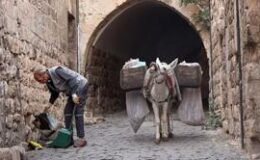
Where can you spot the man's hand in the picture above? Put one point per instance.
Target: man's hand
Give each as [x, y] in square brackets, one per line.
[75, 98]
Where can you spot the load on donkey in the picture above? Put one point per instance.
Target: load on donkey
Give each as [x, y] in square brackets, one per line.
[160, 84]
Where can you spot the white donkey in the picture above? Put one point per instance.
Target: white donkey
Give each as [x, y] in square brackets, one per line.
[161, 89]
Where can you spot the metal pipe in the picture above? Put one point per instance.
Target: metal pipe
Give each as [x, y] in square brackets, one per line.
[239, 60]
[77, 40]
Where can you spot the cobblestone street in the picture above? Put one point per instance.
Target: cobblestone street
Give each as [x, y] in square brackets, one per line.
[115, 140]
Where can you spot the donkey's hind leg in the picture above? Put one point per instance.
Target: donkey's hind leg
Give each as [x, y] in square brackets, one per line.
[157, 123]
[170, 125]
[170, 121]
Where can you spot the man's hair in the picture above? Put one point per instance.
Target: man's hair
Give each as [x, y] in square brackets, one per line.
[39, 69]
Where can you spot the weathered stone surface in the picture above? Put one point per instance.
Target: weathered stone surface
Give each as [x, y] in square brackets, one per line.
[9, 121]
[35, 32]
[30, 35]
[14, 153]
[249, 19]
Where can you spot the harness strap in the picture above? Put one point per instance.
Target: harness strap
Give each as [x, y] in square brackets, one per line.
[170, 83]
[161, 101]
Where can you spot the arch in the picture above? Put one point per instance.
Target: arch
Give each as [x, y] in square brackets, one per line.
[186, 12]
[109, 36]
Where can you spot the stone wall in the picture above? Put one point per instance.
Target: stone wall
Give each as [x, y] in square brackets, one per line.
[32, 32]
[105, 95]
[251, 72]
[13, 153]
[225, 67]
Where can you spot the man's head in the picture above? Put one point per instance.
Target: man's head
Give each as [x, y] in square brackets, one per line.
[41, 75]
[153, 67]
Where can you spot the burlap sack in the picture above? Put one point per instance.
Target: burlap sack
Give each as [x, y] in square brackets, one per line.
[190, 110]
[137, 108]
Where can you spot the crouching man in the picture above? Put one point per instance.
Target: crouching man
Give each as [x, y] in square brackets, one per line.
[61, 79]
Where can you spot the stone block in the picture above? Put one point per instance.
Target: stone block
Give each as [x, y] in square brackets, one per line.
[10, 25]
[12, 91]
[12, 71]
[3, 88]
[10, 9]
[41, 5]
[13, 153]
[53, 14]
[236, 112]
[6, 154]
[253, 72]
[249, 127]
[17, 117]
[253, 89]
[9, 121]
[9, 104]
[255, 156]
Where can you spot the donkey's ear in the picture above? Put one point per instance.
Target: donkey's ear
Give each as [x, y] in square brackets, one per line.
[174, 63]
[158, 61]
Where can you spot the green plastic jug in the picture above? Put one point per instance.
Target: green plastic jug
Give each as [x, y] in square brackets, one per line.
[63, 139]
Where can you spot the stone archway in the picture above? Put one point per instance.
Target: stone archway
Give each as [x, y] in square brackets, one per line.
[142, 29]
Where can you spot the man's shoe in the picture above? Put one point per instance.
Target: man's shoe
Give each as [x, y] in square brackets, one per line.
[81, 142]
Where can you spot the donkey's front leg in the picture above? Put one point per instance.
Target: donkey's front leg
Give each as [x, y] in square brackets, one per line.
[157, 122]
[165, 125]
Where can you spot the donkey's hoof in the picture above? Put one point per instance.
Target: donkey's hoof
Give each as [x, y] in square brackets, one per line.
[165, 139]
[157, 141]
[170, 135]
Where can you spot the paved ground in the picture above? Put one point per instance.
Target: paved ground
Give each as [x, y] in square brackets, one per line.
[115, 140]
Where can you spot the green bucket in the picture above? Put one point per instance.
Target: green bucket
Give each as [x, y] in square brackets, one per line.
[63, 139]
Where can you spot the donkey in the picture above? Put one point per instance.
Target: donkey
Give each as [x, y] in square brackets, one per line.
[161, 89]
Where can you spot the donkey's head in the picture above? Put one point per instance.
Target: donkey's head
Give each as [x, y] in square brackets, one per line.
[163, 81]
[162, 70]
[164, 67]
[156, 73]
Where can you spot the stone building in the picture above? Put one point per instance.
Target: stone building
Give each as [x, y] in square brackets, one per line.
[230, 68]
[41, 32]
[117, 30]
[32, 32]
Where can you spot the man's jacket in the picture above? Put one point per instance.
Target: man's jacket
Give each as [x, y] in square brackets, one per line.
[64, 80]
